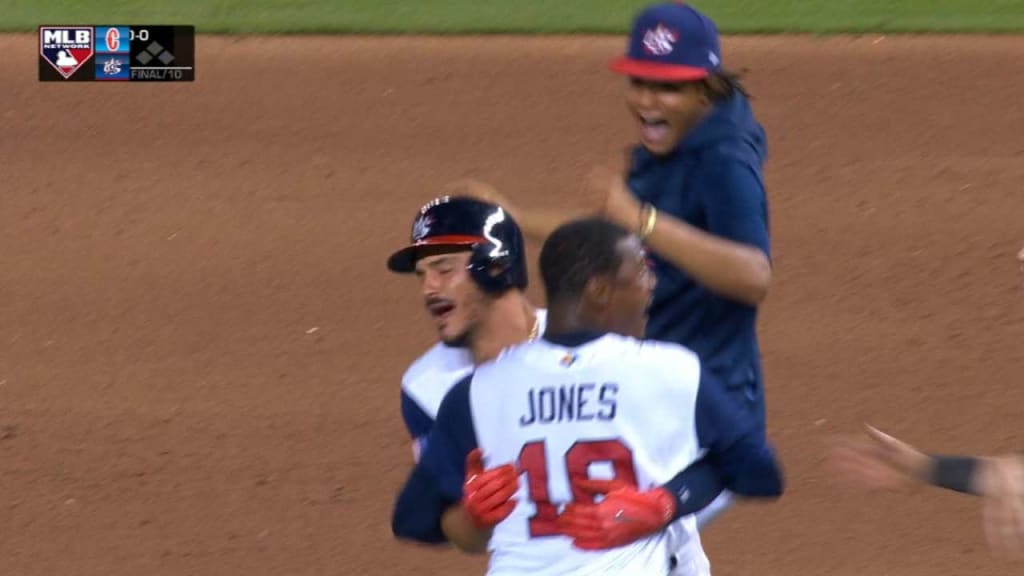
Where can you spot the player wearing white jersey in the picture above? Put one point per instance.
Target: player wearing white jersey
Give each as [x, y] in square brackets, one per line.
[471, 263]
[433, 374]
[588, 402]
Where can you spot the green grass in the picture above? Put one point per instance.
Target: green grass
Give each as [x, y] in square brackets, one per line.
[517, 16]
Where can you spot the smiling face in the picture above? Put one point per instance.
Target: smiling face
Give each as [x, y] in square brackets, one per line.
[450, 295]
[666, 111]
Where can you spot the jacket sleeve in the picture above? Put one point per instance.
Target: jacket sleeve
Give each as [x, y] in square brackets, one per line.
[735, 444]
[735, 202]
[738, 458]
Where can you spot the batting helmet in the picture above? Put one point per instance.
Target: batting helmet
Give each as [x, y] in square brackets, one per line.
[498, 259]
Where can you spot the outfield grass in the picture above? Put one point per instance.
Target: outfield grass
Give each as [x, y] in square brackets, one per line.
[519, 16]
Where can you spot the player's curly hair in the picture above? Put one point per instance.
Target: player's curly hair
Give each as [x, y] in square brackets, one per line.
[576, 252]
[723, 84]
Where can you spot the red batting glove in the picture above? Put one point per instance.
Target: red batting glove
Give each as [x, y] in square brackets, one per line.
[487, 494]
[624, 516]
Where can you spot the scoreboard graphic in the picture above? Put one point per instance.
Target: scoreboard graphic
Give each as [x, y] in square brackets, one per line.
[122, 53]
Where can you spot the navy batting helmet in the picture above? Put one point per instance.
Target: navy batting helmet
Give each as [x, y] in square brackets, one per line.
[498, 259]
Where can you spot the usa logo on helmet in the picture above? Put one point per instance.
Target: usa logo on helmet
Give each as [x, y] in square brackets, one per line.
[421, 227]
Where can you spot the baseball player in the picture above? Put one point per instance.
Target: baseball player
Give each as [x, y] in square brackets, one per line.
[696, 196]
[471, 263]
[522, 446]
[884, 461]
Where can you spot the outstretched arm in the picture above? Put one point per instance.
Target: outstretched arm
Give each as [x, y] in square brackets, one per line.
[536, 224]
[884, 461]
[730, 259]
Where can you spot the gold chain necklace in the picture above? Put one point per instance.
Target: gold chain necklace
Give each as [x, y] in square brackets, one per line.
[535, 330]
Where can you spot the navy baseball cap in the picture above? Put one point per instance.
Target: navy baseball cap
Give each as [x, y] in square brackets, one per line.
[671, 42]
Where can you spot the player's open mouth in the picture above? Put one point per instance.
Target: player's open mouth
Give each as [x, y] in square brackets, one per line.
[653, 130]
[440, 309]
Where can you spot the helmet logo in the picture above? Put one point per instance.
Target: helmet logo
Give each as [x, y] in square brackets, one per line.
[659, 41]
[421, 227]
[498, 250]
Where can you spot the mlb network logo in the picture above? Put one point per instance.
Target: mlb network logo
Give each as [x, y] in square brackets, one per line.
[66, 48]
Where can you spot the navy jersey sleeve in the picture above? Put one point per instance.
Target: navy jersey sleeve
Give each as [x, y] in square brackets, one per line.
[436, 481]
[695, 487]
[417, 423]
[738, 456]
[418, 508]
[735, 444]
[735, 203]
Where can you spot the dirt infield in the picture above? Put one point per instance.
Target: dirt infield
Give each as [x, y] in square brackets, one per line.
[200, 346]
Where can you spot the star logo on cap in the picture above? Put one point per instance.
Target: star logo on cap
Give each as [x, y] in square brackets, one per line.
[659, 40]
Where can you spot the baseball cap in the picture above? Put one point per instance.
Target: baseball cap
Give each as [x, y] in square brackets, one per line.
[671, 42]
[447, 221]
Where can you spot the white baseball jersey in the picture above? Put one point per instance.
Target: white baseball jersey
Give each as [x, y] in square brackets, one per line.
[612, 407]
[429, 378]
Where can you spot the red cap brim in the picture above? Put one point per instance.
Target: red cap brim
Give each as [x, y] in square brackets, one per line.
[404, 260]
[656, 70]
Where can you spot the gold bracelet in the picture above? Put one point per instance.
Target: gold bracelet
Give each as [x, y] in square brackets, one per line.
[649, 216]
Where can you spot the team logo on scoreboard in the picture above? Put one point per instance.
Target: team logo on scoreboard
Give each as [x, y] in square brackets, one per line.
[113, 67]
[113, 39]
[67, 49]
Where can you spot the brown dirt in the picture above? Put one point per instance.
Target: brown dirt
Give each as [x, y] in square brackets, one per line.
[200, 346]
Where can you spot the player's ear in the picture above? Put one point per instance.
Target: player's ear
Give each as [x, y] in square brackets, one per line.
[598, 291]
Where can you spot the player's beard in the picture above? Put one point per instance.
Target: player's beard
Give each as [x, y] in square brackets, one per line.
[457, 341]
[462, 339]
[472, 307]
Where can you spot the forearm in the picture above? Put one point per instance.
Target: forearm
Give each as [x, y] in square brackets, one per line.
[694, 488]
[747, 469]
[727, 268]
[461, 531]
[750, 468]
[419, 509]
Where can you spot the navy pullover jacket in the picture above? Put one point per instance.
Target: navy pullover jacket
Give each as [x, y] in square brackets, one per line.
[713, 182]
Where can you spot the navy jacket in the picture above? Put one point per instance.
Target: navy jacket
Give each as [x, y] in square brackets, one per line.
[711, 181]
